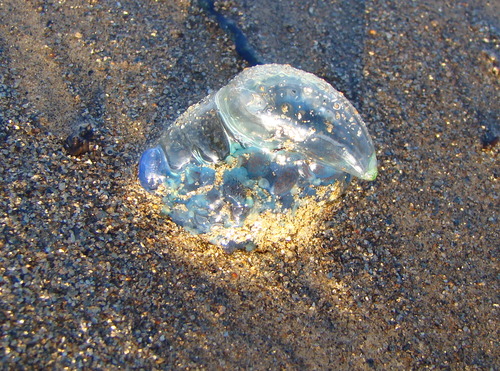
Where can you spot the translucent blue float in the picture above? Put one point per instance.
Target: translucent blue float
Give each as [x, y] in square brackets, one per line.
[258, 162]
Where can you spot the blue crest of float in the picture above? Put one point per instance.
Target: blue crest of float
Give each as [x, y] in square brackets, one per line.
[272, 140]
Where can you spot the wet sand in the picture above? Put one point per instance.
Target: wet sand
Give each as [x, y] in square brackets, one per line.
[404, 274]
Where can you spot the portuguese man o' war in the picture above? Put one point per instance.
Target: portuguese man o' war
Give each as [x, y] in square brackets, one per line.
[257, 162]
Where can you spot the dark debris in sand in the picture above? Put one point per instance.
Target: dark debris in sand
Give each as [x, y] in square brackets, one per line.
[92, 275]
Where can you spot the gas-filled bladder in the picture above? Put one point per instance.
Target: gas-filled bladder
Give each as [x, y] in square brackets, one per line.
[260, 161]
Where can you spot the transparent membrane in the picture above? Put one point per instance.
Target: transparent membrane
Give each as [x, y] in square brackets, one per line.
[250, 164]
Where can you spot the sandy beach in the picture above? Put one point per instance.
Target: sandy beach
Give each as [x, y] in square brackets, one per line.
[404, 274]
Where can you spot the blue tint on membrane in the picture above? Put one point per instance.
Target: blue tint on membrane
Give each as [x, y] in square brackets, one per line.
[153, 168]
[251, 163]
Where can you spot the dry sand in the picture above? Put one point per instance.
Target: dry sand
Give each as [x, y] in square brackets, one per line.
[92, 275]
